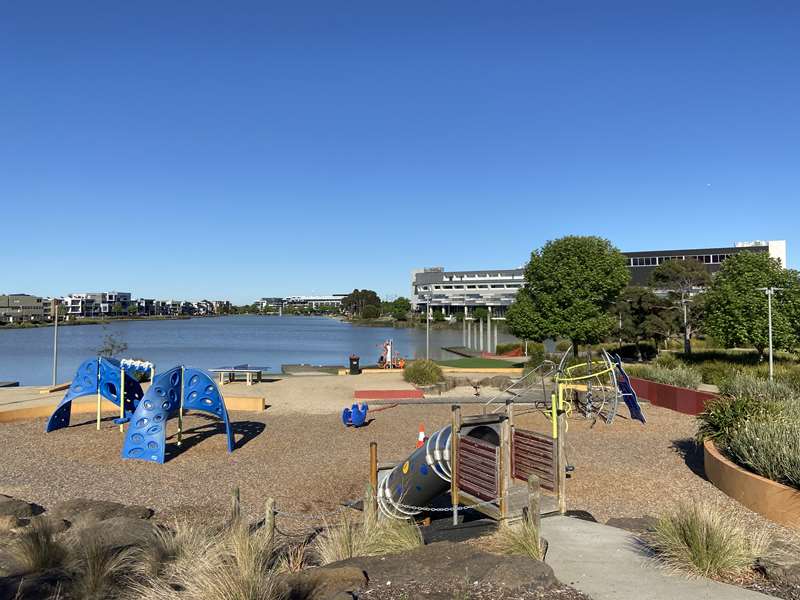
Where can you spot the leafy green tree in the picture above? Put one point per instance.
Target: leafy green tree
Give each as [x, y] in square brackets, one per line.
[438, 316]
[571, 283]
[357, 300]
[643, 315]
[371, 311]
[480, 313]
[736, 309]
[683, 278]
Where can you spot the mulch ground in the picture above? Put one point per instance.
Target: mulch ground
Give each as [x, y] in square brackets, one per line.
[311, 464]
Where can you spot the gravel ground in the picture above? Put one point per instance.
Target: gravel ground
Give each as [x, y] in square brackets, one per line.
[311, 463]
[476, 591]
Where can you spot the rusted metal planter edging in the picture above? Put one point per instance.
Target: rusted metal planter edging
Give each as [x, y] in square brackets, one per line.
[682, 400]
[775, 501]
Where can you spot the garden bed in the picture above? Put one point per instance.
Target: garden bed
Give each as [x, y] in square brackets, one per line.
[683, 400]
[773, 500]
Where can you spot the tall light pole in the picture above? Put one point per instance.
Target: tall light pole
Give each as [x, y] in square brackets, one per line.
[770, 291]
[55, 341]
[428, 328]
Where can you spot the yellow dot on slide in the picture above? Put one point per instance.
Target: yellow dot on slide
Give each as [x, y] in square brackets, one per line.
[405, 467]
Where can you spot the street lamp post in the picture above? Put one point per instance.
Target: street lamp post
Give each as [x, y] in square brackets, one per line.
[770, 291]
[55, 342]
[428, 329]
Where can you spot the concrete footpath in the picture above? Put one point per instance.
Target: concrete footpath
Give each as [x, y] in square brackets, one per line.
[605, 563]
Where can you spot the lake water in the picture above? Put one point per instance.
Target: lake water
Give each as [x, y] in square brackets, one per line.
[26, 354]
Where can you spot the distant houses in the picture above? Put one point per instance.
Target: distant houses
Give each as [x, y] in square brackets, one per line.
[26, 308]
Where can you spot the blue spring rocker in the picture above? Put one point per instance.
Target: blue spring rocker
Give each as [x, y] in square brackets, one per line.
[355, 416]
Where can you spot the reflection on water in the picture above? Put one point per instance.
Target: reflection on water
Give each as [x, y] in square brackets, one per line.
[26, 354]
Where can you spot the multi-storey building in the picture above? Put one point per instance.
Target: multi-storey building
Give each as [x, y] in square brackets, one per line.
[451, 291]
[642, 264]
[16, 308]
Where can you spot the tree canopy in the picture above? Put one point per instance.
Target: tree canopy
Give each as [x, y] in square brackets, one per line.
[736, 309]
[643, 315]
[570, 285]
[357, 300]
[683, 278]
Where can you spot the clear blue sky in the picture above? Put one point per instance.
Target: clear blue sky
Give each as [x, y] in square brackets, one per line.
[243, 149]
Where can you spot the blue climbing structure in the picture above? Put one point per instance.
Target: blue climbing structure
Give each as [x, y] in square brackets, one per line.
[96, 374]
[627, 391]
[146, 436]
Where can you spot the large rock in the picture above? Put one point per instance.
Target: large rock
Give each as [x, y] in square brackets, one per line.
[331, 583]
[781, 563]
[11, 507]
[86, 511]
[118, 532]
[448, 562]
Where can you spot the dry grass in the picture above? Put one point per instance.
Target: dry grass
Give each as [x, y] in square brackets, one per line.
[702, 540]
[369, 537]
[232, 564]
[521, 538]
[34, 549]
[293, 558]
[99, 571]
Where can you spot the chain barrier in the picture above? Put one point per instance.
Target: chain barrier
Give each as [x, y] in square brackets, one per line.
[310, 517]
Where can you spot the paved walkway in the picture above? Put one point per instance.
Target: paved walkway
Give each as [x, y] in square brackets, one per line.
[605, 563]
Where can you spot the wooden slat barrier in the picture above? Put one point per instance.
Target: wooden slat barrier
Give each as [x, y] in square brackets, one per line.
[478, 468]
[534, 453]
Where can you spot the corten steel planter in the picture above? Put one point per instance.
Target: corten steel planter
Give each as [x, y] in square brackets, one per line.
[773, 500]
[683, 400]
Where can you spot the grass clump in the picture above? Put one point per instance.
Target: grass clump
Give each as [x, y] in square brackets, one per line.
[99, 571]
[521, 538]
[702, 540]
[369, 537]
[34, 549]
[680, 376]
[768, 447]
[422, 372]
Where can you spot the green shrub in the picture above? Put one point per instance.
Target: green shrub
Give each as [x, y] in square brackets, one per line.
[563, 345]
[769, 447]
[536, 356]
[503, 348]
[422, 372]
[748, 385]
[685, 377]
[716, 372]
[631, 352]
[370, 312]
[667, 360]
[702, 540]
[722, 416]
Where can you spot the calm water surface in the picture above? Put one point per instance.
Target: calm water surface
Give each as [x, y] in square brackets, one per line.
[26, 354]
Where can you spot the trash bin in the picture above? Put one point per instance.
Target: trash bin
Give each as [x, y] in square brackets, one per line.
[355, 369]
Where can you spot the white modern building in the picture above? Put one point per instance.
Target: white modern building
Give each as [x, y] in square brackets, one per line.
[451, 291]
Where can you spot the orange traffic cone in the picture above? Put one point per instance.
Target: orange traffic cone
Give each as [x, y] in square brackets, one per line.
[421, 436]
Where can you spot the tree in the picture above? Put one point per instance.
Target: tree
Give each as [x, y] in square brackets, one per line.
[112, 346]
[438, 316]
[643, 315]
[682, 278]
[116, 308]
[357, 300]
[736, 309]
[371, 311]
[400, 308]
[570, 285]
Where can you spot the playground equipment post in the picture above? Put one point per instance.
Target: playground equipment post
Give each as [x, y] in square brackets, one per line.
[55, 341]
[455, 426]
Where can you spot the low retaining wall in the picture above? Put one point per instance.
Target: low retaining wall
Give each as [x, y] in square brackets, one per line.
[683, 400]
[88, 404]
[775, 501]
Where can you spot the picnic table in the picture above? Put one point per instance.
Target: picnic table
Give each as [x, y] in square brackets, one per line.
[228, 374]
